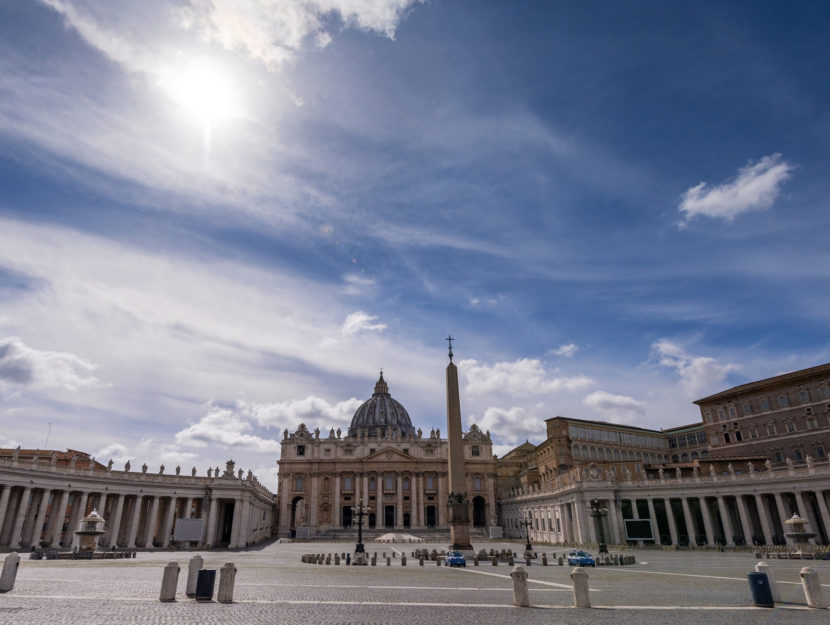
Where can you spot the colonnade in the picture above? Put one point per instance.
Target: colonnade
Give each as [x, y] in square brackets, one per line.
[746, 509]
[43, 506]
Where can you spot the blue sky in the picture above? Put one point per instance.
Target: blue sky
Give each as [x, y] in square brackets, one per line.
[220, 219]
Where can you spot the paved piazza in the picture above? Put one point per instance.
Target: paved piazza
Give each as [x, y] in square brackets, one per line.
[273, 586]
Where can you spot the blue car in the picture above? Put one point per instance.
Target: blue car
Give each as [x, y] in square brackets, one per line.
[580, 558]
[456, 558]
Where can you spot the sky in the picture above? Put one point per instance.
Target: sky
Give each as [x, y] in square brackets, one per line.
[221, 218]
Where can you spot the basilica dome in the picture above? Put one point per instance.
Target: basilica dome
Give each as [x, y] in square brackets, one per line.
[380, 415]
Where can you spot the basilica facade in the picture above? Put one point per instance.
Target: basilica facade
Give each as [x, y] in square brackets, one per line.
[383, 462]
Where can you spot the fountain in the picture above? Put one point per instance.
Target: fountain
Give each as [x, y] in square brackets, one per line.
[798, 534]
[89, 531]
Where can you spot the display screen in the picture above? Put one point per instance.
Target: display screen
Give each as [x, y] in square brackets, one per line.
[188, 530]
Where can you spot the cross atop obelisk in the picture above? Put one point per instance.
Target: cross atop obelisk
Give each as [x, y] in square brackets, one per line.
[457, 504]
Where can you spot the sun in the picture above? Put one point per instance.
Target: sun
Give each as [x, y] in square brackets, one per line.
[202, 89]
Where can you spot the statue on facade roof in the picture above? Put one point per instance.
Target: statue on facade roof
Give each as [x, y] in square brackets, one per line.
[210, 472]
[338, 432]
[750, 467]
[161, 470]
[240, 474]
[768, 464]
[127, 466]
[144, 468]
[53, 460]
[712, 470]
[660, 472]
[789, 463]
[285, 434]
[35, 458]
[809, 460]
[72, 461]
[178, 469]
[331, 433]
[109, 465]
[317, 433]
[731, 469]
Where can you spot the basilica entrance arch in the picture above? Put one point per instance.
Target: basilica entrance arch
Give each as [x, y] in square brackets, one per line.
[431, 516]
[406, 520]
[346, 516]
[479, 512]
[297, 514]
[389, 516]
[373, 521]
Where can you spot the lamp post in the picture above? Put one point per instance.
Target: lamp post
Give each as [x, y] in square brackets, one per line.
[597, 511]
[527, 523]
[360, 511]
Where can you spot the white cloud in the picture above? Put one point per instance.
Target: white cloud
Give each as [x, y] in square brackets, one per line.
[754, 188]
[313, 411]
[9, 443]
[115, 451]
[512, 426]
[697, 373]
[357, 285]
[24, 366]
[615, 408]
[521, 377]
[225, 427]
[565, 350]
[362, 322]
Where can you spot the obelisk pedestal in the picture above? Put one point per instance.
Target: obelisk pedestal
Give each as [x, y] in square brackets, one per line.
[458, 504]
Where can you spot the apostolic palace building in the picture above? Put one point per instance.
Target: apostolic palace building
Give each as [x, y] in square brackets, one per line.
[757, 457]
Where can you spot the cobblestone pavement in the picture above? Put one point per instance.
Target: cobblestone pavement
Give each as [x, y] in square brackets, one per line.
[273, 586]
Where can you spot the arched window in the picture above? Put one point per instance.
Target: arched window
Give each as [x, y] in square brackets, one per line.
[406, 483]
[298, 483]
[593, 452]
[477, 483]
[617, 455]
[601, 453]
[576, 451]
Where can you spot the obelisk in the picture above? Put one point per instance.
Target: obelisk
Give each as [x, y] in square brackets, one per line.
[457, 504]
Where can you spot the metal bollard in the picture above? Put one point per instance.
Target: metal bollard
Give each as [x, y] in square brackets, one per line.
[520, 596]
[169, 582]
[196, 563]
[579, 579]
[348, 558]
[227, 579]
[812, 588]
[763, 567]
[9, 575]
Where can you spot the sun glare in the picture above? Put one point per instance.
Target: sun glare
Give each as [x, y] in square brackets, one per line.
[204, 90]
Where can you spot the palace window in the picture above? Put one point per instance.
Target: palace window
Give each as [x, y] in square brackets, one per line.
[783, 402]
[721, 413]
[732, 412]
[475, 450]
[406, 483]
[301, 450]
[825, 391]
[701, 438]
[771, 429]
[371, 483]
[726, 438]
[790, 426]
[819, 451]
[747, 408]
[753, 433]
[764, 403]
[803, 395]
[777, 456]
[798, 454]
[811, 423]
[708, 416]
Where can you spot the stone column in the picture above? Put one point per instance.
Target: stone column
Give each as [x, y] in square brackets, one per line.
[245, 523]
[115, 522]
[743, 514]
[285, 522]
[41, 517]
[60, 515]
[670, 520]
[414, 498]
[691, 529]
[4, 505]
[652, 515]
[212, 522]
[336, 512]
[763, 517]
[22, 510]
[399, 501]
[378, 491]
[78, 513]
[707, 520]
[728, 530]
[235, 525]
[133, 529]
[802, 509]
[188, 508]
[168, 523]
[313, 503]
[586, 532]
[150, 530]
[615, 513]
[491, 501]
[782, 516]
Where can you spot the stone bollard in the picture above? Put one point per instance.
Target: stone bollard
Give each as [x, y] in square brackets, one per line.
[337, 558]
[763, 567]
[421, 561]
[812, 588]
[527, 560]
[348, 559]
[196, 563]
[560, 561]
[509, 560]
[169, 582]
[579, 579]
[495, 560]
[403, 560]
[544, 559]
[388, 561]
[9, 575]
[328, 558]
[227, 578]
[437, 561]
[520, 596]
[475, 560]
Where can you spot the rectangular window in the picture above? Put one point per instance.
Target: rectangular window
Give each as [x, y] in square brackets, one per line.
[803, 395]
[732, 412]
[799, 455]
[811, 423]
[747, 408]
[475, 450]
[771, 429]
[825, 392]
[347, 483]
[783, 402]
[701, 438]
[672, 442]
[301, 450]
[819, 451]
[753, 433]
[726, 438]
[692, 438]
[721, 413]
[738, 436]
[764, 403]
[790, 426]
[777, 457]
